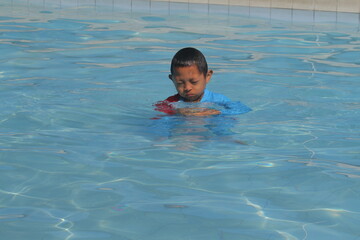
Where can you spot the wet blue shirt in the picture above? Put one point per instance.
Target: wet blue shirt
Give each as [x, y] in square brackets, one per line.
[228, 107]
[212, 97]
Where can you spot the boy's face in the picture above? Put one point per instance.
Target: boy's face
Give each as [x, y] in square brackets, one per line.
[190, 83]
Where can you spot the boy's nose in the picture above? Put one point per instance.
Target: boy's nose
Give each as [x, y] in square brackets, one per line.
[187, 87]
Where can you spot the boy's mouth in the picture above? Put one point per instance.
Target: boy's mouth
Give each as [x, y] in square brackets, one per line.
[192, 97]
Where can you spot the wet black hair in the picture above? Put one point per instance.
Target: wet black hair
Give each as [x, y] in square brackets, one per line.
[187, 57]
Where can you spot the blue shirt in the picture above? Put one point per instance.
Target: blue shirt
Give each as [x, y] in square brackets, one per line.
[228, 107]
[220, 102]
[211, 97]
[214, 97]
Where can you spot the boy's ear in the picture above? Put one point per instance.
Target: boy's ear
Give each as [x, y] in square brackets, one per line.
[208, 75]
[170, 77]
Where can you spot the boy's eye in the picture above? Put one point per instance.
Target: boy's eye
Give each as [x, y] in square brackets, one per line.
[194, 82]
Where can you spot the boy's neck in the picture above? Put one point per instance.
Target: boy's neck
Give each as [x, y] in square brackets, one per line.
[197, 100]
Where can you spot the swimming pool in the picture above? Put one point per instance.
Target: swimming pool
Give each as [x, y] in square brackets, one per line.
[82, 156]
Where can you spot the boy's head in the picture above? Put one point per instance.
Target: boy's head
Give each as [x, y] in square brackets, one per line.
[187, 57]
[190, 74]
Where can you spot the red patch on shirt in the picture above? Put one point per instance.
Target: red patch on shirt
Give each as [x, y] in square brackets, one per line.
[166, 106]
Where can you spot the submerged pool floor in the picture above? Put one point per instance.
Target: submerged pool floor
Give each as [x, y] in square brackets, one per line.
[83, 154]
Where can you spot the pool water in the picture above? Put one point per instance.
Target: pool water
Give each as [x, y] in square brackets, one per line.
[83, 154]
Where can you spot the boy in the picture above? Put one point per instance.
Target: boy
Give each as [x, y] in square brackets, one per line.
[190, 74]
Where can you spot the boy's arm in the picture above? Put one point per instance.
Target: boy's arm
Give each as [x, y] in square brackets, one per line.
[197, 111]
[235, 108]
[229, 108]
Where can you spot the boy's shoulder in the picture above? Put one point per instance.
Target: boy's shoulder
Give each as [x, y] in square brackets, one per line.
[173, 98]
[165, 106]
[210, 96]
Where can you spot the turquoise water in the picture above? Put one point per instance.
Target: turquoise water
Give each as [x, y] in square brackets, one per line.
[83, 155]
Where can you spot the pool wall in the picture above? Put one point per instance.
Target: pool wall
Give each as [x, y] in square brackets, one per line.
[303, 11]
[317, 5]
[350, 6]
